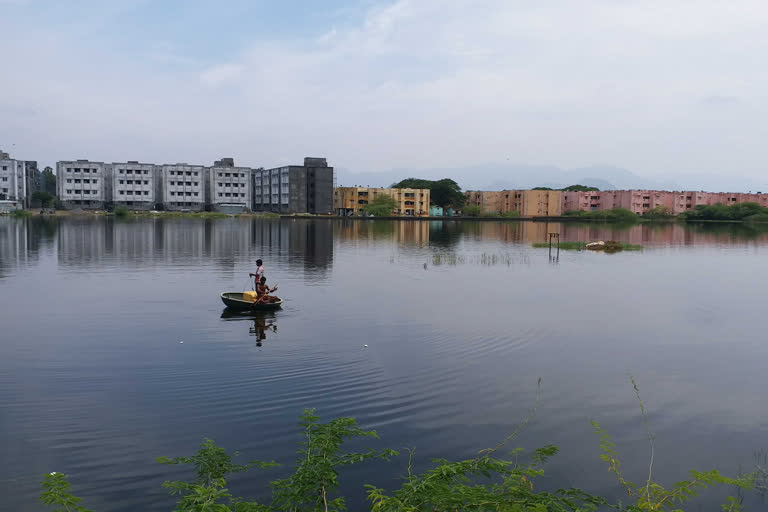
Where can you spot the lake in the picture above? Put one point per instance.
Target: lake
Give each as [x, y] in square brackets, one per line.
[460, 319]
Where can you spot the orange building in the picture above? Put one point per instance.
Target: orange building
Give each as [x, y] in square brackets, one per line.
[349, 201]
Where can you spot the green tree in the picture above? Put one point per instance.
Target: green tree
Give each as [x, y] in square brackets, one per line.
[49, 181]
[382, 206]
[542, 188]
[580, 188]
[658, 212]
[471, 210]
[446, 192]
[45, 198]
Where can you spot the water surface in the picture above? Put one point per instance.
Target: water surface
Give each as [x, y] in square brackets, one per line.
[460, 319]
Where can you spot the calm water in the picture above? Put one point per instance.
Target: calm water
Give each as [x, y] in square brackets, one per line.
[460, 320]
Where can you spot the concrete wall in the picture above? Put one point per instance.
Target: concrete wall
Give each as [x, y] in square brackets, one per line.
[183, 187]
[133, 185]
[230, 186]
[82, 183]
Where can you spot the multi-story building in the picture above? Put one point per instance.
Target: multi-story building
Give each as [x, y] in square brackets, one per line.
[81, 183]
[304, 188]
[229, 187]
[349, 201]
[13, 185]
[134, 185]
[489, 201]
[183, 186]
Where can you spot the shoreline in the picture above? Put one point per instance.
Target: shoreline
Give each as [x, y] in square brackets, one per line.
[35, 212]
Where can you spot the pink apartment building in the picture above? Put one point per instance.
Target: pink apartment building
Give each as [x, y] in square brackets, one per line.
[642, 201]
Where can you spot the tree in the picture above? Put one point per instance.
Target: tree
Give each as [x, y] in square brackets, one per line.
[471, 210]
[49, 181]
[580, 188]
[658, 212]
[446, 192]
[382, 206]
[44, 197]
[542, 188]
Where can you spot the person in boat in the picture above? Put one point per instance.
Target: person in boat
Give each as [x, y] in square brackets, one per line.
[259, 272]
[263, 292]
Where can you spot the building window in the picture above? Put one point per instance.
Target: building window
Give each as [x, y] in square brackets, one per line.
[146, 193]
[94, 181]
[68, 191]
[189, 173]
[195, 194]
[173, 193]
[77, 181]
[219, 194]
[69, 180]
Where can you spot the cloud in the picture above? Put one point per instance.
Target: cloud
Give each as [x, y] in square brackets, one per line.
[221, 74]
[424, 83]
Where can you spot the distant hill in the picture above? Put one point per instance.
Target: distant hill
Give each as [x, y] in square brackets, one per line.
[520, 176]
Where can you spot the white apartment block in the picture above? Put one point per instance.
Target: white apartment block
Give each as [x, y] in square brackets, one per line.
[13, 186]
[230, 186]
[81, 183]
[134, 185]
[183, 186]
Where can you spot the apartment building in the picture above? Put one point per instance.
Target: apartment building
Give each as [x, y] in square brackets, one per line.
[411, 202]
[81, 183]
[134, 185]
[182, 187]
[528, 203]
[304, 188]
[13, 185]
[229, 186]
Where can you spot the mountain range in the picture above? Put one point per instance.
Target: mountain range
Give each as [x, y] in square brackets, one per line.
[522, 176]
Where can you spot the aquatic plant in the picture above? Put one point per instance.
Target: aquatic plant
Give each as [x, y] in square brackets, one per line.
[609, 247]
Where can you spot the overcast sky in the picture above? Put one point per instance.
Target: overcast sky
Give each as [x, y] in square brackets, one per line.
[652, 86]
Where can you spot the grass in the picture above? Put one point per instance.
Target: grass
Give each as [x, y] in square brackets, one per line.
[20, 214]
[611, 246]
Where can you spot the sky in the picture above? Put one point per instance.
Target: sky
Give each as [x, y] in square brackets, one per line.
[653, 86]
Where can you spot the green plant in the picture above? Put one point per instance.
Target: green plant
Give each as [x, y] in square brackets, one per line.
[20, 214]
[471, 210]
[206, 492]
[316, 478]
[652, 496]
[381, 206]
[446, 192]
[56, 493]
[122, 212]
[612, 215]
[44, 197]
[511, 214]
[658, 213]
[719, 211]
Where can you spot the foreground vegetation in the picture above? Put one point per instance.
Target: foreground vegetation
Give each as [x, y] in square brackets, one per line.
[487, 482]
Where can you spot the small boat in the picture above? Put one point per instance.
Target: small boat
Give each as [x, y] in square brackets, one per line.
[234, 300]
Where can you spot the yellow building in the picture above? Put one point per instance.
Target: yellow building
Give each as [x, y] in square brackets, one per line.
[410, 201]
[528, 203]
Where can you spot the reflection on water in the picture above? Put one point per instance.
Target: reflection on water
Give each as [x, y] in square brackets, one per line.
[260, 323]
[82, 241]
[377, 324]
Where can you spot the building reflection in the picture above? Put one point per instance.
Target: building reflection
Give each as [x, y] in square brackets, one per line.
[22, 241]
[411, 233]
[301, 245]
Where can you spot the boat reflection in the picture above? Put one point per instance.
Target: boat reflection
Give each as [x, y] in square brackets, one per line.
[263, 322]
